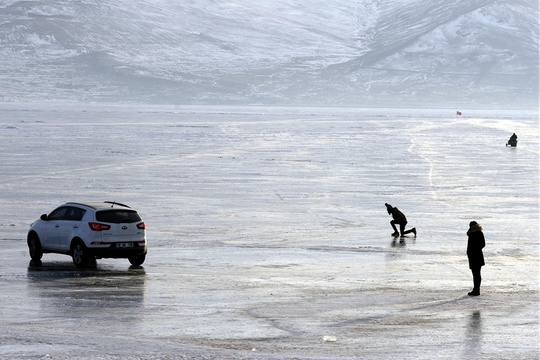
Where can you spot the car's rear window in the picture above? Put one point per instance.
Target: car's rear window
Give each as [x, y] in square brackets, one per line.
[118, 216]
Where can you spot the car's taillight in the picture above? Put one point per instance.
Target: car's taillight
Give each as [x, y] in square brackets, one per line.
[98, 227]
[141, 226]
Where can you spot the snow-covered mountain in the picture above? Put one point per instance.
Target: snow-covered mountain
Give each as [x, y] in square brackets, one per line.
[434, 53]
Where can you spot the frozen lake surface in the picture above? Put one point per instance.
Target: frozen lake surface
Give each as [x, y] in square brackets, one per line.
[268, 234]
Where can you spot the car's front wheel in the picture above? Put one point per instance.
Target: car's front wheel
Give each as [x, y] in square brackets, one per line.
[79, 252]
[137, 260]
[34, 247]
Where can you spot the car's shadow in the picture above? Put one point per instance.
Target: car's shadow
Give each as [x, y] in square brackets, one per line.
[64, 286]
[94, 269]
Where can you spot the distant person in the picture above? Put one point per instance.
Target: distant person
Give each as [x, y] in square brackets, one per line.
[399, 219]
[512, 141]
[475, 244]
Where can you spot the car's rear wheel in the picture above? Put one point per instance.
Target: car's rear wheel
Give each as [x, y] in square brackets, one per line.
[80, 256]
[137, 260]
[34, 247]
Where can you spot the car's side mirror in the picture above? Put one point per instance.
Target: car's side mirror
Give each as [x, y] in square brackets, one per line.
[44, 217]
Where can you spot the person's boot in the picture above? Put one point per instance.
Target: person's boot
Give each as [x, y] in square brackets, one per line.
[475, 292]
[414, 231]
[396, 234]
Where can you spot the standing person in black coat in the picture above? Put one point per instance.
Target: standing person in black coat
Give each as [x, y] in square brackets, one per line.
[399, 219]
[475, 244]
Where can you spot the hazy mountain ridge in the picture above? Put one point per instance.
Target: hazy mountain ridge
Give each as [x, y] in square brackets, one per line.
[467, 53]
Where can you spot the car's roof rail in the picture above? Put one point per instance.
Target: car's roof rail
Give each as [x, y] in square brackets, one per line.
[80, 203]
[116, 203]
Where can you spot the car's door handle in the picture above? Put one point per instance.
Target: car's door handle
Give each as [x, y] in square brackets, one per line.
[75, 226]
[56, 226]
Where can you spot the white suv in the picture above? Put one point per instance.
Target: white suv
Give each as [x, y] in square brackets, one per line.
[89, 231]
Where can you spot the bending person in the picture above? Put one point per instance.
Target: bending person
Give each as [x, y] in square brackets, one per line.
[398, 219]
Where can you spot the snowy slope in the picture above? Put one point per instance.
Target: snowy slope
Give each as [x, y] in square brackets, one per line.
[466, 53]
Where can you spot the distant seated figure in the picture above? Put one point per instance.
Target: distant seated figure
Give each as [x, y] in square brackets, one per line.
[512, 141]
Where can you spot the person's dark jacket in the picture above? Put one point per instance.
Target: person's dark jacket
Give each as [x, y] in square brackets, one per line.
[398, 216]
[475, 244]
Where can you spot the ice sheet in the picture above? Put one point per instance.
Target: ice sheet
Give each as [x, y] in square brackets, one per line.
[268, 232]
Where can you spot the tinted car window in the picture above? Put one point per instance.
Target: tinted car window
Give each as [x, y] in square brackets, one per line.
[118, 216]
[74, 214]
[58, 214]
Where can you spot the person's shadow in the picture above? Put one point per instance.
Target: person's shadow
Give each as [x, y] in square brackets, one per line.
[473, 334]
[401, 241]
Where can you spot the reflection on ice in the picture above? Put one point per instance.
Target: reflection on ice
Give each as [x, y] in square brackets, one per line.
[474, 334]
[67, 290]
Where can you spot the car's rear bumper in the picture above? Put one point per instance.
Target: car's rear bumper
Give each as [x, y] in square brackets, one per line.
[115, 252]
